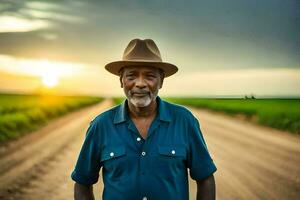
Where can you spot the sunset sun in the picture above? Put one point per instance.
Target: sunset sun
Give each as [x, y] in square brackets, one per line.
[50, 80]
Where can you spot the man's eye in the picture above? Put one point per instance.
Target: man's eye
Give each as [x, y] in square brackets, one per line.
[151, 76]
[130, 76]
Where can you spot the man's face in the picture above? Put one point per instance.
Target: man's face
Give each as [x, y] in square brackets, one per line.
[141, 84]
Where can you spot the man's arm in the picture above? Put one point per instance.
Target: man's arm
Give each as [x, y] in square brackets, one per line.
[206, 189]
[83, 192]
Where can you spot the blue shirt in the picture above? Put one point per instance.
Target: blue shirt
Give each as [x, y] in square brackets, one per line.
[134, 168]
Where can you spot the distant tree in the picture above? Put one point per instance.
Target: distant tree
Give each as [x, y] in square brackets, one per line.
[250, 96]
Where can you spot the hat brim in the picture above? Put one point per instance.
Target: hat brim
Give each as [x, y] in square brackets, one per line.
[115, 67]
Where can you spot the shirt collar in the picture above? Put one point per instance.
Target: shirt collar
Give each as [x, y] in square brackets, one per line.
[121, 114]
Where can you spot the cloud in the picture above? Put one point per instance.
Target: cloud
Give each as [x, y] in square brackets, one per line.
[198, 36]
[35, 67]
[15, 24]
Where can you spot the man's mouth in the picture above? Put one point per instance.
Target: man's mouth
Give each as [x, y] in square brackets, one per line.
[139, 94]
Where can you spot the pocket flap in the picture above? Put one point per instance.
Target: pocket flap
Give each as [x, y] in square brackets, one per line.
[172, 150]
[112, 152]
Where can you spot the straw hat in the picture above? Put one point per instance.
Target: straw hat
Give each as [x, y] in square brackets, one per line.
[141, 53]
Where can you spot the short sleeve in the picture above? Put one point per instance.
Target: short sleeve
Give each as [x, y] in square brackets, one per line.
[87, 168]
[200, 162]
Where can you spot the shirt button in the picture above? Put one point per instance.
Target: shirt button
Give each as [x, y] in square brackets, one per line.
[173, 152]
[111, 154]
[143, 153]
[144, 198]
[138, 139]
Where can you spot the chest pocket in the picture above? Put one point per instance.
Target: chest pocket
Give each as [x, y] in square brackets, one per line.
[172, 151]
[113, 152]
[113, 160]
[172, 161]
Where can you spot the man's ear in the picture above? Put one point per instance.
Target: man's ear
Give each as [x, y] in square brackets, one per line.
[162, 77]
[161, 82]
[121, 82]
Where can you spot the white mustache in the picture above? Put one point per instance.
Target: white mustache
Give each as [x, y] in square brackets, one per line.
[139, 92]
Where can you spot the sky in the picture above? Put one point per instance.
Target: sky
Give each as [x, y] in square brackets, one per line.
[222, 48]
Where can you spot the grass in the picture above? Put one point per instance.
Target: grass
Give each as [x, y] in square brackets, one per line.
[282, 114]
[21, 114]
[118, 100]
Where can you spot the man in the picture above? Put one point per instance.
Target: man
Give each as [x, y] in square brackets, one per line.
[145, 145]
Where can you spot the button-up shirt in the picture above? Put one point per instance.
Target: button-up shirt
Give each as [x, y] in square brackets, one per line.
[134, 168]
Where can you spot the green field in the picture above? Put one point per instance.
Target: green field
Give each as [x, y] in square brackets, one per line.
[118, 100]
[20, 114]
[282, 114]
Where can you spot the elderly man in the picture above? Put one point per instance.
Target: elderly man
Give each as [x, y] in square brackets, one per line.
[145, 145]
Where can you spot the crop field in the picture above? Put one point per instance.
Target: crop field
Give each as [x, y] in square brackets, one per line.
[20, 114]
[282, 114]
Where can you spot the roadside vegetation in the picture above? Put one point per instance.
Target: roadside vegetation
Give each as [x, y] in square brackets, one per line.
[20, 114]
[118, 100]
[283, 114]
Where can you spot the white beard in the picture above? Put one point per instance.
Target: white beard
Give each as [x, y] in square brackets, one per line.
[141, 101]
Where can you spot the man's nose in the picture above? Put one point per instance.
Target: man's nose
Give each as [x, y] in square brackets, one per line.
[140, 82]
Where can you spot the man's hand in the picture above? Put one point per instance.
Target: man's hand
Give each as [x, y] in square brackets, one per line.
[83, 192]
[206, 189]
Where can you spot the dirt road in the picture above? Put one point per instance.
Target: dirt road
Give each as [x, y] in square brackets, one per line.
[253, 162]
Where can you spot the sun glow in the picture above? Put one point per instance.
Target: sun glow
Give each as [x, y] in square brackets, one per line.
[50, 80]
[50, 74]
